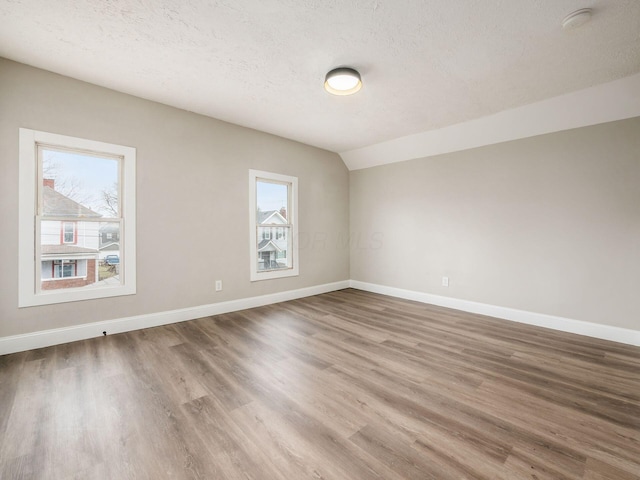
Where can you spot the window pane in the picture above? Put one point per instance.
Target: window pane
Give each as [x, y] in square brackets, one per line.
[92, 260]
[272, 251]
[79, 185]
[64, 268]
[110, 254]
[68, 269]
[69, 232]
[272, 200]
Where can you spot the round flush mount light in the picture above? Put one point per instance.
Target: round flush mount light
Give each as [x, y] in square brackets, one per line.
[342, 81]
[576, 19]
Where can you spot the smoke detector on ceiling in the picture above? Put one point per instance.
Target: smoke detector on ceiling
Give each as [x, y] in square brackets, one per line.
[577, 18]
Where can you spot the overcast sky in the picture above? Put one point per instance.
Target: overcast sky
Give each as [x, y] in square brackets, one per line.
[271, 196]
[87, 175]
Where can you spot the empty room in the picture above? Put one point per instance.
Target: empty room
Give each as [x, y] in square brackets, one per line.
[339, 240]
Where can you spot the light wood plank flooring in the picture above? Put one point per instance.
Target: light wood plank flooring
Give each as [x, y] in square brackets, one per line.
[347, 385]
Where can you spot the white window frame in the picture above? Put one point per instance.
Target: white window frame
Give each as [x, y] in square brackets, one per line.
[64, 232]
[63, 262]
[292, 216]
[29, 292]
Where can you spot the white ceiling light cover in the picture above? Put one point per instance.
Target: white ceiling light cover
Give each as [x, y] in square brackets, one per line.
[343, 81]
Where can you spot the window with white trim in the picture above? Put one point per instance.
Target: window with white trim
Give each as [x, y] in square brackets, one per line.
[68, 232]
[273, 221]
[71, 190]
[65, 268]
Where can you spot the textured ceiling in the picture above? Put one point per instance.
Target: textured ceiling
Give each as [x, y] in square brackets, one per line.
[261, 63]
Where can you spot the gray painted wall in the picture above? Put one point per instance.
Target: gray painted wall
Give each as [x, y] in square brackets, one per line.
[192, 198]
[549, 224]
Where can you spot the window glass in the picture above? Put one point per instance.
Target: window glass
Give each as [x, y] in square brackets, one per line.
[82, 186]
[78, 184]
[68, 232]
[272, 203]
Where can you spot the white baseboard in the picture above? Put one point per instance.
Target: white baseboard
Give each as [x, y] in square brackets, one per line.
[596, 330]
[47, 338]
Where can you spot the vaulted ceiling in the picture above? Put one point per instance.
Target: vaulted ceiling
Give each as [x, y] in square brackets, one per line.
[425, 65]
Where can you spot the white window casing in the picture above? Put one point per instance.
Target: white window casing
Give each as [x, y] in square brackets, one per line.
[30, 256]
[293, 265]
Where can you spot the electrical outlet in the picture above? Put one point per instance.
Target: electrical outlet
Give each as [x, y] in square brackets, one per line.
[445, 281]
[218, 285]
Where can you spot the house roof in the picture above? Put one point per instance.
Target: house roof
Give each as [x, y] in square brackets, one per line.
[110, 227]
[59, 205]
[65, 250]
[270, 215]
[112, 246]
[263, 246]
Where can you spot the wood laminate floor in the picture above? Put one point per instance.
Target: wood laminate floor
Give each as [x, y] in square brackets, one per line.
[347, 385]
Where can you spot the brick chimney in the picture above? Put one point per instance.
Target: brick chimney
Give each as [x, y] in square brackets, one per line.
[283, 212]
[49, 182]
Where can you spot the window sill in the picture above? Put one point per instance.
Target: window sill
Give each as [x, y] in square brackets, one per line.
[257, 276]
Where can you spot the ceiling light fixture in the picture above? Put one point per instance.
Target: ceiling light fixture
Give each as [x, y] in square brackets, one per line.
[342, 81]
[576, 19]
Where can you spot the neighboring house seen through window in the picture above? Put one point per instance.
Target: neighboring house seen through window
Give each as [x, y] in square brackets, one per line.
[71, 191]
[273, 223]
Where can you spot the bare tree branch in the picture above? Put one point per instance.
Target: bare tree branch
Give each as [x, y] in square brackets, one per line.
[68, 185]
[109, 200]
